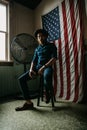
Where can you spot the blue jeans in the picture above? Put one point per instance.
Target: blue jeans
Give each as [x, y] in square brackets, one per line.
[47, 81]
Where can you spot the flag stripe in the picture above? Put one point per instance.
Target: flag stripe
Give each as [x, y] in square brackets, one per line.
[71, 54]
[74, 35]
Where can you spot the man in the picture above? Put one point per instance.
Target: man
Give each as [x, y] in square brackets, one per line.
[45, 56]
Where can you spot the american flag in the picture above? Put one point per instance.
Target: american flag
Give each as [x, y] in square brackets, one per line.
[64, 25]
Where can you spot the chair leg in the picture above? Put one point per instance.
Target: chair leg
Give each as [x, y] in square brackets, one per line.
[39, 95]
[52, 96]
[38, 101]
[54, 99]
[40, 91]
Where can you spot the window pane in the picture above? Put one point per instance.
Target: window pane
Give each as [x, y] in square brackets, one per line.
[2, 17]
[2, 46]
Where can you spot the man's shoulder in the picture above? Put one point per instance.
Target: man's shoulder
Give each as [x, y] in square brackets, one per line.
[36, 49]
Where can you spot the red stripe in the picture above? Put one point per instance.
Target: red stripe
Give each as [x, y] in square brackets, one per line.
[66, 51]
[60, 68]
[74, 37]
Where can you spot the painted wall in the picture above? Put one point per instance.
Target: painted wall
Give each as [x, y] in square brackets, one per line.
[86, 6]
[8, 79]
[22, 20]
[85, 20]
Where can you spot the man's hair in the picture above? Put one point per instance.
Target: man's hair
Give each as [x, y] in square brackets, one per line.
[43, 31]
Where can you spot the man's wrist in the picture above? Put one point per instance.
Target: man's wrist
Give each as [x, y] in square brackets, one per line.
[30, 70]
[44, 66]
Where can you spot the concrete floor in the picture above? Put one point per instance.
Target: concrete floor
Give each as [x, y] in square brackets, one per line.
[66, 116]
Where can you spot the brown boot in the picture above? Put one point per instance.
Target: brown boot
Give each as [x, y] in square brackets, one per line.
[25, 107]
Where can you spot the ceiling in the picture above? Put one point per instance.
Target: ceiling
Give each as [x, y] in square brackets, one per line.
[32, 4]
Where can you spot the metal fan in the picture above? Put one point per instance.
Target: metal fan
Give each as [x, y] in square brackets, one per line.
[22, 48]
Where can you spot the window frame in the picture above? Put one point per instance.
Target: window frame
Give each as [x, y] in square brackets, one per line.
[7, 61]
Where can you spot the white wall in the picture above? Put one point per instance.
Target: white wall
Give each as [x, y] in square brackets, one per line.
[44, 7]
[22, 19]
[86, 6]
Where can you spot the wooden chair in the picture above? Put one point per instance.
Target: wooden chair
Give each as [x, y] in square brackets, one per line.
[41, 93]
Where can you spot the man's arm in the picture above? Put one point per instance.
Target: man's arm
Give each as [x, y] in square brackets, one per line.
[31, 66]
[31, 71]
[49, 63]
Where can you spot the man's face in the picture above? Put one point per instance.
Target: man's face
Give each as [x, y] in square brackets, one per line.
[41, 38]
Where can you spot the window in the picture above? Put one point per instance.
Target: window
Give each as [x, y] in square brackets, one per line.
[4, 32]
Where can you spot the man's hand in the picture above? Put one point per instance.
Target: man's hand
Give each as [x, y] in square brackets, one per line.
[32, 73]
[40, 71]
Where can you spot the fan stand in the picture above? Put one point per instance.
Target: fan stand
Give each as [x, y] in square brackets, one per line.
[25, 69]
